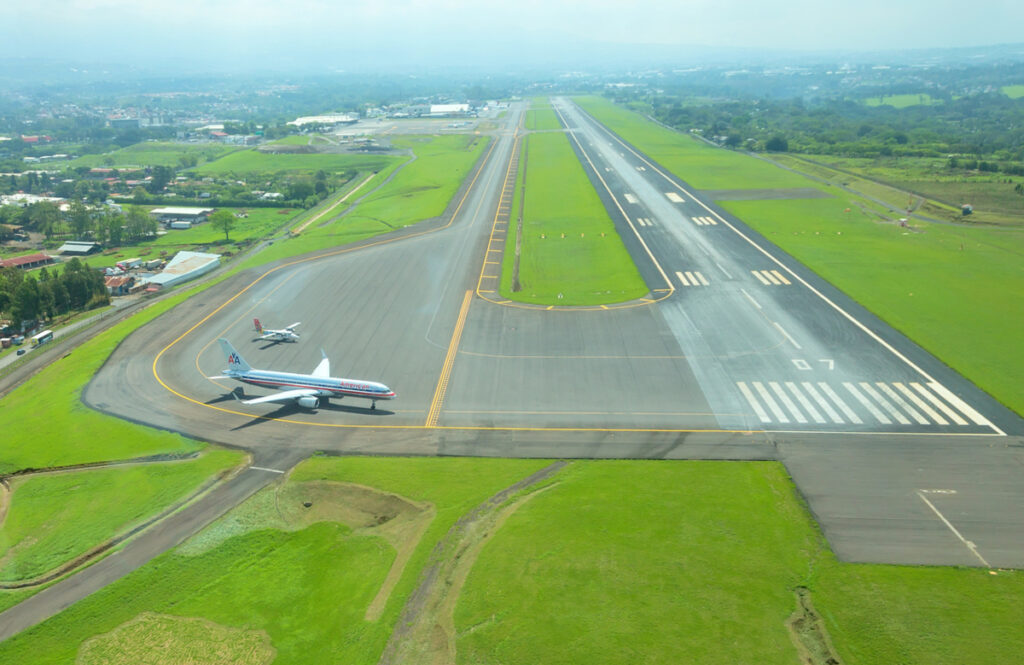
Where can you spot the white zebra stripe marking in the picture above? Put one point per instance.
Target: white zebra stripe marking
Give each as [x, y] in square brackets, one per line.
[754, 404]
[779, 415]
[893, 411]
[825, 406]
[815, 416]
[953, 415]
[900, 402]
[788, 403]
[879, 416]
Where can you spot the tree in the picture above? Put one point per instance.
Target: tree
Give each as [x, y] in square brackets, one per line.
[139, 223]
[777, 144]
[161, 176]
[81, 221]
[223, 220]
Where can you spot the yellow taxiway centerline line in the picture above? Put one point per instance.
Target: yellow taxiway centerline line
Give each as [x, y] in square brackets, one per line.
[449, 361]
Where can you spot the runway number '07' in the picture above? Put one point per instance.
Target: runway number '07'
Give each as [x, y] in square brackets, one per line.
[802, 364]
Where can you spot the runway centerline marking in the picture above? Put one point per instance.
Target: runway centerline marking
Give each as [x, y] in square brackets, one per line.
[263, 468]
[968, 544]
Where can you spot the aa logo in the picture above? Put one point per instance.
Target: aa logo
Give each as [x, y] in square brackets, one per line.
[233, 359]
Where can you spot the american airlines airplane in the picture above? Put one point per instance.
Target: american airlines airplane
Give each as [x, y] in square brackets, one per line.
[306, 390]
[286, 334]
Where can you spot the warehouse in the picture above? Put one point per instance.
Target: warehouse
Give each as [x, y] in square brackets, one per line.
[183, 267]
[173, 214]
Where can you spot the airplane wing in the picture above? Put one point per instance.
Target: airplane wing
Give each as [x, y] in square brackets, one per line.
[323, 370]
[282, 396]
[292, 325]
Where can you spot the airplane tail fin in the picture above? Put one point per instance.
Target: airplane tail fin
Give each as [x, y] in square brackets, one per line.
[259, 326]
[235, 361]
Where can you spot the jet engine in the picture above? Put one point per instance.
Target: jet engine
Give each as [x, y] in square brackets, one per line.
[309, 402]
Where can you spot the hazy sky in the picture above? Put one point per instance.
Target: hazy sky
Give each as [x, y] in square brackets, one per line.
[475, 30]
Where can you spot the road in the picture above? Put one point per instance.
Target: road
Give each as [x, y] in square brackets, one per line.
[739, 352]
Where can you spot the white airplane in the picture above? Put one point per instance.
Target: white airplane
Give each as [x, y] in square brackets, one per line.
[286, 334]
[306, 390]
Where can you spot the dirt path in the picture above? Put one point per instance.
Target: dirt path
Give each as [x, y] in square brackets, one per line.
[425, 631]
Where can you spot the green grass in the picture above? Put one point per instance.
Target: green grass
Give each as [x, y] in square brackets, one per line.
[1013, 91]
[993, 198]
[959, 292]
[697, 562]
[47, 409]
[699, 164]
[902, 101]
[308, 589]
[426, 186]
[584, 267]
[254, 161]
[653, 562]
[50, 523]
[542, 119]
[153, 153]
[421, 190]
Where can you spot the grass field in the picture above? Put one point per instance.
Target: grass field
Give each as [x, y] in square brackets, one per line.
[1013, 91]
[426, 186]
[993, 198]
[902, 101]
[47, 408]
[613, 561]
[955, 289]
[309, 589]
[571, 253]
[254, 161]
[421, 190]
[543, 118]
[48, 523]
[699, 164]
[697, 562]
[153, 153]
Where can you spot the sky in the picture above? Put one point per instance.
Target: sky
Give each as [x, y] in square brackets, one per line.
[362, 33]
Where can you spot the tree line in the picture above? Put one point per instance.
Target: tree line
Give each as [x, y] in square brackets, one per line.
[986, 127]
[103, 224]
[57, 290]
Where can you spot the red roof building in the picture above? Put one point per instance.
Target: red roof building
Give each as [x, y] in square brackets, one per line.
[27, 262]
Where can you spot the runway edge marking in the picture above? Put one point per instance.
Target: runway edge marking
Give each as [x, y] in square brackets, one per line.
[774, 259]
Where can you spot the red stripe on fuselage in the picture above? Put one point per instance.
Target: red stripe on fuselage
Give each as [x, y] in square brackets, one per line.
[335, 391]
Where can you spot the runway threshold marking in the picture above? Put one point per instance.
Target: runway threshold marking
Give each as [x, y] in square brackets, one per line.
[968, 544]
[449, 362]
[797, 278]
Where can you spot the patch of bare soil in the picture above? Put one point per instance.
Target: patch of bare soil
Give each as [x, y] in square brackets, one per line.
[425, 631]
[398, 520]
[161, 639]
[807, 630]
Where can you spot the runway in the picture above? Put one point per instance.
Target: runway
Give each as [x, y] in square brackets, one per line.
[739, 352]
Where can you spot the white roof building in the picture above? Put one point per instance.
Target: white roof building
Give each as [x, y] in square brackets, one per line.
[189, 214]
[185, 266]
[448, 109]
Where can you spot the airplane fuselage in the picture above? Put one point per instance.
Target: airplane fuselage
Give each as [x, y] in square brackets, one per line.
[325, 387]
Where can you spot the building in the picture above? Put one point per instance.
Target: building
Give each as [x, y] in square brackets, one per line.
[119, 285]
[27, 262]
[79, 247]
[329, 119]
[183, 267]
[173, 214]
[438, 110]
